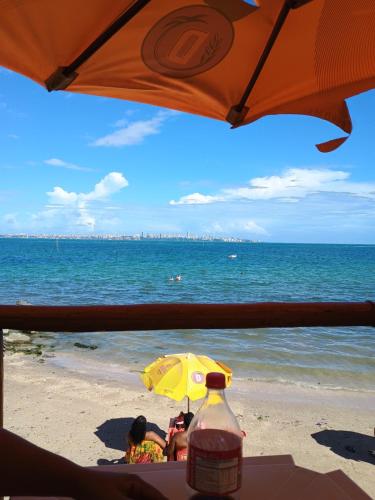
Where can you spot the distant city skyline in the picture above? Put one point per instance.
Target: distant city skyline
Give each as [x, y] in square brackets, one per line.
[133, 237]
[81, 164]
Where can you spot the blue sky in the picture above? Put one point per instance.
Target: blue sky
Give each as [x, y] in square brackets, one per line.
[83, 164]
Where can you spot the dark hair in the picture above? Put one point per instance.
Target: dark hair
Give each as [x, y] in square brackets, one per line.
[188, 417]
[137, 431]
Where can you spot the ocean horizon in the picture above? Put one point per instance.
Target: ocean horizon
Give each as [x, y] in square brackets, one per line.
[76, 272]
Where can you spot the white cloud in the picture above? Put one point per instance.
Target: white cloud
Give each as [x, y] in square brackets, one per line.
[195, 199]
[84, 218]
[253, 227]
[135, 132]
[240, 226]
[121, 123]
[60, 196]
[78, 209]
[13, 136]
[110, 184]
[293, 185]
[56, 162]
[320, 217]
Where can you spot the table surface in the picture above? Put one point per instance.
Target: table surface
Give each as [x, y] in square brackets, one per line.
[265, 478]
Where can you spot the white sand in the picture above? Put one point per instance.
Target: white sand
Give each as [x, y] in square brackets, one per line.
[63, 410]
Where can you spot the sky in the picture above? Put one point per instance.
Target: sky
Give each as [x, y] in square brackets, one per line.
[76, 164]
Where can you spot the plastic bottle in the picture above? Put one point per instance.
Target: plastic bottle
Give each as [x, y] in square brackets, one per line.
[214, 446]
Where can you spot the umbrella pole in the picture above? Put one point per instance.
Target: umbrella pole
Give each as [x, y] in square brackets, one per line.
[188, 404]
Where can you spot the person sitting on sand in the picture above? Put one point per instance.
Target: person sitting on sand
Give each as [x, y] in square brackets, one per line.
[143, 446]
[177, 448]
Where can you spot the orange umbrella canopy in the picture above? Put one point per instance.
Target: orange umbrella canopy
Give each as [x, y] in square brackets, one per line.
[225, 59]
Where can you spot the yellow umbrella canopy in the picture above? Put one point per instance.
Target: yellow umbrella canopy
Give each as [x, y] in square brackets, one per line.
[182, 375]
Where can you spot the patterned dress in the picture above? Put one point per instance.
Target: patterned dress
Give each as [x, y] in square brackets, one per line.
[145, 452]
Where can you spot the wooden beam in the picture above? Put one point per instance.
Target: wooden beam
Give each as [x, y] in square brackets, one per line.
[1, 383]
[1, 380]
[186, 316]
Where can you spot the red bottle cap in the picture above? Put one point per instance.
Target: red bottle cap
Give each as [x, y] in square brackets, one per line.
[215, 380]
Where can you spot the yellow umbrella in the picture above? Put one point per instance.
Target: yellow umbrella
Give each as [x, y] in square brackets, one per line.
[182, 375]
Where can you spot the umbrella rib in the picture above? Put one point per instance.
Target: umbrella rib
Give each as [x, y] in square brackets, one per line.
[238, 112]
[64, 76]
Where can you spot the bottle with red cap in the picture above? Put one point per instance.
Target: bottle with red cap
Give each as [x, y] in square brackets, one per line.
[214, 446]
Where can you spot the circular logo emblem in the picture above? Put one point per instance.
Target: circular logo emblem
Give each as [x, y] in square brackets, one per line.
[197, 377]
[188, 41]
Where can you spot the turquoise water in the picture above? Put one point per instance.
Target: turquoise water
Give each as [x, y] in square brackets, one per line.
[125, 272]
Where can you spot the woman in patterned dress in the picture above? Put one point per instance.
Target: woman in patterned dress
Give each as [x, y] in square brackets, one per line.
[143, 446]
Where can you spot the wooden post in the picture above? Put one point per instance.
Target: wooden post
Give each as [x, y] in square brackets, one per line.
[1, 379]
[1, 382]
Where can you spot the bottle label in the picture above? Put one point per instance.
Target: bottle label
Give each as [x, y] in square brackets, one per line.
[214, 472]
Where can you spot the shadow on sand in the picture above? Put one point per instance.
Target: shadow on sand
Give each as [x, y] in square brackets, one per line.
[347, 444]
[113, 433]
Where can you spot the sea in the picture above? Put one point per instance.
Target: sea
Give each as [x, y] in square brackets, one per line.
[77, 272]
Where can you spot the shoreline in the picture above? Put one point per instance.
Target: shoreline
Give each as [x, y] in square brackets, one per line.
[86, 417]
[85, 353]
[82, 362]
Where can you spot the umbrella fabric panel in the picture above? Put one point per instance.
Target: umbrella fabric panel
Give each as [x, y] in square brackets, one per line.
[331, 57]
[163, 58]
[182, 375]
[37, 36]
[198, 56]
[166, 377]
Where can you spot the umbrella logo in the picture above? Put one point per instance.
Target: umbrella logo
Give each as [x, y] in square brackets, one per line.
[188, 41]
[197, 377]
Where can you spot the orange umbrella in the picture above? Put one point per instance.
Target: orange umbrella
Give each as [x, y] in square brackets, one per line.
[224, 59]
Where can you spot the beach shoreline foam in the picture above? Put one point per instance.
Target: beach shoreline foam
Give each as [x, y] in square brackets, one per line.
[119, 353]
[85, 415]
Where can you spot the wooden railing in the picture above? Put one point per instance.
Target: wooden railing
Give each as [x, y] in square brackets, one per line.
[180, 316]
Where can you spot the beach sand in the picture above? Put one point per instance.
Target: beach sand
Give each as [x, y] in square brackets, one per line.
[86, 418]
